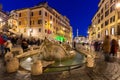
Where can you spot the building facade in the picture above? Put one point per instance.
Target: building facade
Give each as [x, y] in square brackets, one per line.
[3, 18]
[106, 21]
[43, 21]
[81, 39]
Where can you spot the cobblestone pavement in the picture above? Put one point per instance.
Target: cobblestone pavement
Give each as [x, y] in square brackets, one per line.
[102, 71]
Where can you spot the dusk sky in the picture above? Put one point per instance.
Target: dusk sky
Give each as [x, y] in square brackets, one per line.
[80, 12]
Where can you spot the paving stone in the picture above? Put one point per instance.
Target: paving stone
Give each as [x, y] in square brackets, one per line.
[101, 71]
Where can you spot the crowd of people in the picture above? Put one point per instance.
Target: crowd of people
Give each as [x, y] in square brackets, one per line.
[9, 40]
[108, 46]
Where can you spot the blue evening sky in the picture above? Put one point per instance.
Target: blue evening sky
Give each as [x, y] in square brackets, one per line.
[80, 12]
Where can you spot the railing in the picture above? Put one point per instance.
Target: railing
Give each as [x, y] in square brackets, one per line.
[62, 68]
[85, 49]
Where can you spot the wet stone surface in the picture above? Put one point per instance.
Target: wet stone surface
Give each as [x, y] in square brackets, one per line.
[102, 71]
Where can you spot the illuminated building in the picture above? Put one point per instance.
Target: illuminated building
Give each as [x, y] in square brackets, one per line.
[43, 21]
[106, 21]
[3, 18]
[13, 21]
[81, 39]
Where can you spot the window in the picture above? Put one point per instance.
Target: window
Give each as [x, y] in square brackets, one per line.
[50, 25]
[107, 13]
[45, 30]
[19, 22]
[118, 29]
[45, 22]
[106, 32]
[101, 10]
[102, 25]
[119, 15]
[39, 29]
[107, 5]
[30, 22]
[50, 17]
[98, 14]
[33, 22]
[32, 14]
[19, 14]
[112, 8]
[40, 13]
[112, 19]
[98, 28]
[24, 30]
[98, 21]
[98, 35]
[40, 21]
[103, 1]
[106, 22]
[102, 17]
[111, 1]
[56, 21]
[45, 13]
[112, 31]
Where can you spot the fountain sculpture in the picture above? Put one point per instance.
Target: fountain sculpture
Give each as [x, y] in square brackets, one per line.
[46, 54]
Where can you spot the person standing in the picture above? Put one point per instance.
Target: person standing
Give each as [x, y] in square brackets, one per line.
[24, 45]
[114, 47]
[106, 47]
[2, 41]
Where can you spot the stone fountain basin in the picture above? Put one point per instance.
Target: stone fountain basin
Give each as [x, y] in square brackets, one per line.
[78, 59]
[26, 63]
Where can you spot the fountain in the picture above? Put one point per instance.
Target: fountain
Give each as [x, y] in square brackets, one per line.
[60, 61]
[50, 53]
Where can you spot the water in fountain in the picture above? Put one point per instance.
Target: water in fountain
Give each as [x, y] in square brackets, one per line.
[51, 51]
[60, 62]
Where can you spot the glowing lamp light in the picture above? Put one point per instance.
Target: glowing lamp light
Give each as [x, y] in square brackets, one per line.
[30, 30]
[29, 59]
[63, 28]
[51, 22]
[0, 19]
[94, 25]
[117, 5]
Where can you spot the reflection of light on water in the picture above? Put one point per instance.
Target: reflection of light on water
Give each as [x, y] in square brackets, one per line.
[29, 59]
[26, 64]
[61, 65]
